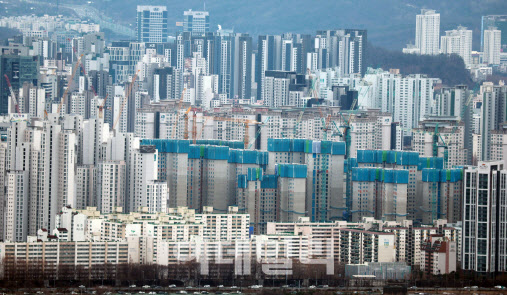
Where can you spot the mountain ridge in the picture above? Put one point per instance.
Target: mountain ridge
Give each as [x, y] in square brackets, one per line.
[265, 17]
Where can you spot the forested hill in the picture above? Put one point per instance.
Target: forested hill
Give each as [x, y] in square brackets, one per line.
[450, 69]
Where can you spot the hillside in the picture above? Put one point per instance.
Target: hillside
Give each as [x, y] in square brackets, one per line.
[390, 23]
[450, 69]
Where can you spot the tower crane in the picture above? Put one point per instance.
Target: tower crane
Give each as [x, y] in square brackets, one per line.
[177, 114]
[258, 132]
[84, 70]
[13, 95]
[194, 127]
[185, 134]
[70, 83]
[125, 100]
[247, 123]
[101, 107]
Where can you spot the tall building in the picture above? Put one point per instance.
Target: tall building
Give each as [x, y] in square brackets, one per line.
[196, 22]
[167, 84]
[110, 186]
[145, 189]
[484, 218]
[492, 46]
[278, 85]
[441, 137]
[230, 59]
[499, 21]
[458, 42]
[440, 195]
[494, 101]
[152, 26]
[409, 99]
[344, 49]
[381, 193]
[264, 62]
[427, 32]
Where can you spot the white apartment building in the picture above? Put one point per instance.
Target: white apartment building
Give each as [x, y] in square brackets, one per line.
[492, 45]
[110, 185]
[16, 206]
[409, 99]
[32, 100]
[458, 41]
[144, 174]
[427, 32]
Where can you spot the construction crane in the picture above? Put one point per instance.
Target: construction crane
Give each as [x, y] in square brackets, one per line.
[258, 132]
[202, 128]
[177, 114]
[313, 85]
[83, 68]
[247, 123]
[194, 127]
[70, 83]
[185, 134]
[13, 95]
[101, 107]
[125, 99]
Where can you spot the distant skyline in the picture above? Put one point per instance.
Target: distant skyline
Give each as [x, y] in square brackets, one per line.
[267, 18]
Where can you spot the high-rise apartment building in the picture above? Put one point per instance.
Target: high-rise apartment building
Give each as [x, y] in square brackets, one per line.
[458, 42]
[110, 186]
[498, 21]
[145, 189]
[484, 218]
[492, 46]
[381, 193]
[409, 99]
[167, 83]
[278, 85]
[494, 101]
[440, 195]
[427, 32]
[152, 24]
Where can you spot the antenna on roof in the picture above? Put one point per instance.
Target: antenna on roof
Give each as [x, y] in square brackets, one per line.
[204, 5]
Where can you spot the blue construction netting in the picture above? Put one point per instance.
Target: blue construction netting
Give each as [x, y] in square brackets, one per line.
[395, 176]
[381, 175]
[430, 175]
[248, 157]
[216, 152]
[430, 162]
[286, 145]
[348, 164]
[291, 170]
[365, 174]
[209, 152]
[306, 146]
[442, 175]
[233, 144]
[390, 157]
[269, 182]
[333, 147]
[180, 146]
[195, 151]
[406, 158]
[254, 174]
[242, 181]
